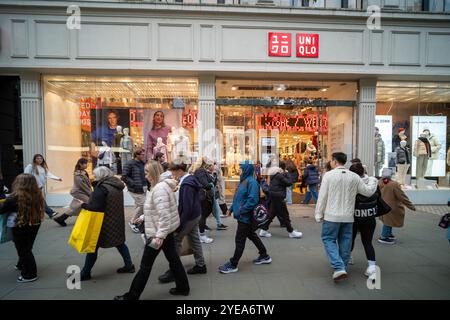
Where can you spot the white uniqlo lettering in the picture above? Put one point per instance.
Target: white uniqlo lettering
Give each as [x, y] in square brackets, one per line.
[284, 44]
[275, 43]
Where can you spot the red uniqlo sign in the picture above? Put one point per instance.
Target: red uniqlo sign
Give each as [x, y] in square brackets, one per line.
[307, 45]
[279, 44]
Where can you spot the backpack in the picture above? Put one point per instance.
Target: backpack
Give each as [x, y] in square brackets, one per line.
[445, 221]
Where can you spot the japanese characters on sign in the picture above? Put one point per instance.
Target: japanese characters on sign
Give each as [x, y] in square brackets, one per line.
[279, 44]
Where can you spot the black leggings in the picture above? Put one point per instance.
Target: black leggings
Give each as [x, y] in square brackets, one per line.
[367, 228]
[278, 209]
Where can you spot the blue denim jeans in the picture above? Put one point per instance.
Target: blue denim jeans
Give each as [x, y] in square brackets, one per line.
[91, 258]
[311, 192]
[289, 195]
[217, 212]
[337, 240]
[49, 211]
[386, 231]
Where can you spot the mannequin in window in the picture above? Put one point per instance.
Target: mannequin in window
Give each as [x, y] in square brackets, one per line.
[400, 136]
[170, 143]
[126, 145]
[315, 139]
[422, 151]
[435, 148]
[379, 152]
[116, 145]
[161, 148]
[230, 161]
[310, 148]
[403, 161]
[106, 157]
[181, 145]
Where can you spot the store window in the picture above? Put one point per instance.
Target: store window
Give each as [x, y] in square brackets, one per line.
[268, 121]
[106, 118]
[413, 133]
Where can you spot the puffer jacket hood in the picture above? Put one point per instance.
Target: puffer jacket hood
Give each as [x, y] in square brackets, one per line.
[111, 181]
[168, 179]
[247, 170]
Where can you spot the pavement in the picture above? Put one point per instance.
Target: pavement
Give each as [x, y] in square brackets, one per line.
[417, 267]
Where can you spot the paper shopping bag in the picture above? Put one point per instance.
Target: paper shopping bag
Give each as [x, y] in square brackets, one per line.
[86, 231]
[185, 248]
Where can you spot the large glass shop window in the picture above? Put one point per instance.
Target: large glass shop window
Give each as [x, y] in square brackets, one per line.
[266, 121]
[411, 134]
[105, 119]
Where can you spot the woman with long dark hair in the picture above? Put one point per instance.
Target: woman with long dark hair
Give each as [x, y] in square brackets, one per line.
[159, 130]
[26, 205]
[81, 191]
[39, 169]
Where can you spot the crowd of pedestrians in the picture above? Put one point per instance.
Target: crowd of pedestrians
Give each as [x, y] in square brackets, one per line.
[173, 201]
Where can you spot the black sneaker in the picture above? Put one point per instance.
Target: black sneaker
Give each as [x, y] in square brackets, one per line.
[222, 227]
[207, 228]
[197, 270]
[178, 292]
[263, 260]
[21, 279]
[166, 277]
[125, 269]
[386, 241]
[392, 237]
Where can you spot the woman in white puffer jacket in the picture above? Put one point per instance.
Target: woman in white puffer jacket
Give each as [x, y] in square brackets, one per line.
[161, 220]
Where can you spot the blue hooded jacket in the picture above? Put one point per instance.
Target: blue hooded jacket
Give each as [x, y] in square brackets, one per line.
[246, 197]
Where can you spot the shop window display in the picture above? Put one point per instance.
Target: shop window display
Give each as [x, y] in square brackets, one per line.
[106, 118]
[265, 121]
[419, 129]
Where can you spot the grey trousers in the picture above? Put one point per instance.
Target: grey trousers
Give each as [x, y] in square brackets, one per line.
[421, 166]
[139, 200]
[190, 229]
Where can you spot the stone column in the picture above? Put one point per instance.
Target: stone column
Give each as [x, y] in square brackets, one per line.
[207, 117]
[32, 117]
[365, 142]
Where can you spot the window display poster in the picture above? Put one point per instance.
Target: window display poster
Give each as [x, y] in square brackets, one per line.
[158, 123]
[384, 125]
[438, 141]
[104, 123]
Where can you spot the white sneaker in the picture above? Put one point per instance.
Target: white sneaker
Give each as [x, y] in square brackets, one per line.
[295, 234]
[205, 239]
[339, 275]
[370, 271]
[264, 233]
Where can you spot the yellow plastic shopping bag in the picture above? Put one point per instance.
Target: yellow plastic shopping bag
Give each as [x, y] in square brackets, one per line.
[86, 231]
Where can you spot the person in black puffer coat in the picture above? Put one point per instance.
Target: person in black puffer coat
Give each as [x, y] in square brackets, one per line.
[365, 223]
[311, 178]
[279, 181]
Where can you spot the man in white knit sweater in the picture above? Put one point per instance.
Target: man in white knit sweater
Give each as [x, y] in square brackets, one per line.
[335, 207]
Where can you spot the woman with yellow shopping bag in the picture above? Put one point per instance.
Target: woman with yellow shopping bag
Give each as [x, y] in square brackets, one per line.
[108, 198]
[161, 220]
[25, 207]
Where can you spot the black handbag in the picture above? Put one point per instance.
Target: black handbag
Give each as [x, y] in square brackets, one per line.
[445, 221]
[382, 207]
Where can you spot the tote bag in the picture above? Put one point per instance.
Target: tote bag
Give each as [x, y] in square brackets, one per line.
[86, 231]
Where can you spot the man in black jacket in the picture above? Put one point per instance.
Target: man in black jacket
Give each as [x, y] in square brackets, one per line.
[134, 177]
[279, 181]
